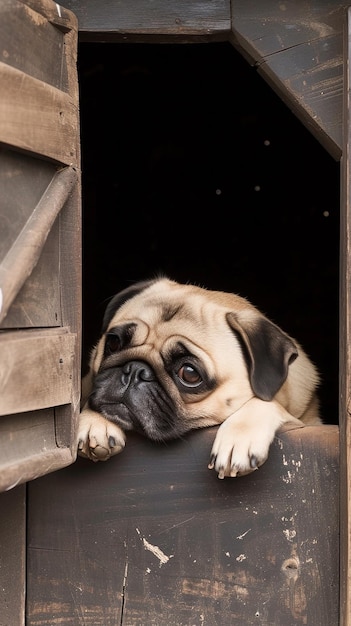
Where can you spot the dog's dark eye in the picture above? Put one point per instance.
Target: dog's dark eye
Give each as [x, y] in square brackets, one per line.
[113, 343]
[189, 375]
[119, 338]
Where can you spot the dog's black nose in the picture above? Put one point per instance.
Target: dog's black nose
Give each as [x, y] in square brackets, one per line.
[136, 371]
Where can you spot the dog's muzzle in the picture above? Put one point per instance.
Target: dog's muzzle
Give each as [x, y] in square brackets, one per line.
[131, 396]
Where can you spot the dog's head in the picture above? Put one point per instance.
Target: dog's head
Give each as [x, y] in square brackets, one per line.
[176, 357]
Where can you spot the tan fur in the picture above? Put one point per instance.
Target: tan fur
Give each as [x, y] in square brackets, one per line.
[224, 333]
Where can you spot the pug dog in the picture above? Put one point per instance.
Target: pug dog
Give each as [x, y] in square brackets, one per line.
[175, 357]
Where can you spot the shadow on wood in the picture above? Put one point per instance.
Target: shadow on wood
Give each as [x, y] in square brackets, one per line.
[154, 537]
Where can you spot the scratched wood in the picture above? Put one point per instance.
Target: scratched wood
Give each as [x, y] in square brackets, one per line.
[183, 20]
[13, 556]
[154, 537]
[298, 49]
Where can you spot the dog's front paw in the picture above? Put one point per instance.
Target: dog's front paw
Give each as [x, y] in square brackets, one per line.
[237, 451]
[98, 438]
[242, 442]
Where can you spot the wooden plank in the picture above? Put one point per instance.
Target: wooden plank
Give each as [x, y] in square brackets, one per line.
[12, 560]
[55, 13]
[29, 447]
[153, 537]
[269, 28]
[345, 350]
[36, 369]
[309, 79]
[298, 49]
[25, 251]
[139, 20]
[19, 24]
[37, 117]
[71, 291]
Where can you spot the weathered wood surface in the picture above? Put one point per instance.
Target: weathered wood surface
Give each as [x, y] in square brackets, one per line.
[35, 369]
[12, 556]
[345, 350]
[125, 21]
[38, 86]
[28, 107]
[154, 537]
[20, 24]
[40, 249]
[23, 255]
[38, 369]
[298, 49]
[30, 447]
[43, 285]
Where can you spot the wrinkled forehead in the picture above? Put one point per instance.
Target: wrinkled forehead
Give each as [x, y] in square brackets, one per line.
[163, 324]
[155, 310]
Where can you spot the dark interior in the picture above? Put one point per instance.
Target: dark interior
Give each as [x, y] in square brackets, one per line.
[193, 167]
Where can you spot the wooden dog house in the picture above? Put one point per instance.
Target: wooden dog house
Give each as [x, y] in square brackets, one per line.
[151, 537]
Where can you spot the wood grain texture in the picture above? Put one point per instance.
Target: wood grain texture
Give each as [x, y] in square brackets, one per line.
[36, 369]
[40, 271]
[182, 20]
[18, 24]
[43, 285]
[153, 537]
[25, 252]
[30, 447]
[20, 176]
[13, 556]
[28, 108]
[298, 48]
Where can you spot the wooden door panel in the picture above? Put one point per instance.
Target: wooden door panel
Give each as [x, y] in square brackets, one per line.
[40, 240]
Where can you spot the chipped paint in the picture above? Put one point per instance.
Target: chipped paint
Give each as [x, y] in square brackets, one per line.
[289, 534]
[244, 534]
[155, 550]
[241, 558]
[289, 477]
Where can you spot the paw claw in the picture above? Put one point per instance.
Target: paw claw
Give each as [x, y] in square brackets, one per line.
[98, 438]
[221, 473]
[212, 461]
[253, 462]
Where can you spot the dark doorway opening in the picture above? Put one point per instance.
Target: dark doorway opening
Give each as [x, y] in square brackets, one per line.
[193, 167]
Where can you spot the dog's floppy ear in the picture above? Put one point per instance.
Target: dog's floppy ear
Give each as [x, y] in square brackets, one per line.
[122, 297]
[269, 352]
